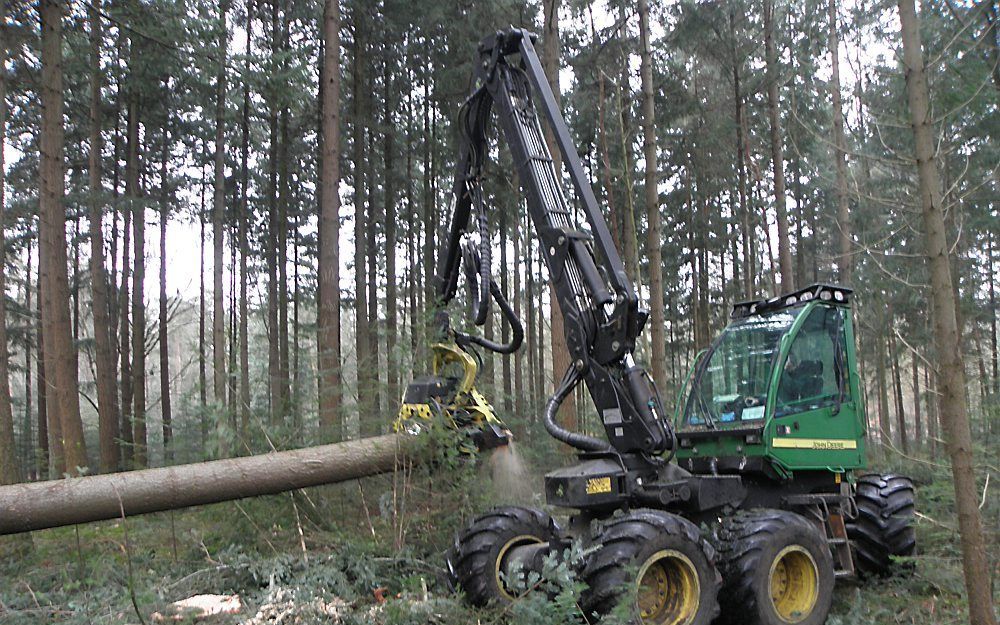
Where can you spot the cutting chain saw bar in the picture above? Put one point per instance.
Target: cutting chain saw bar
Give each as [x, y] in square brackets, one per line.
[596, 298]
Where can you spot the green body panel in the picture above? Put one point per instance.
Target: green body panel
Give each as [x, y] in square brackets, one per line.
[816, 437]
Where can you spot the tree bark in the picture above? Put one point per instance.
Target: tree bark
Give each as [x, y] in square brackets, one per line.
[328, 330]
[30, 468]
[884, 425]
[918, 426]
[654, 235]
[244, 244]
[952, 401]
[218, 215]
[372, 219]
[283, 221]
[140, 456]
[28, 507]
[41, 390]
[741, 171]
[8, 450]
[61, 366]
[362, 341]
[505, 327]
[271, 248]
[202, 358]
[777, 151]
[991, 281]
[897, 383]
[107, 395]
[124, 311]
[165, 408]
[608, 180]
[560, 353]
[844, 260]
[389, 219]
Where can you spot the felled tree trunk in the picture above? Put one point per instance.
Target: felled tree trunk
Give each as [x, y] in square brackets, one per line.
[41, 505]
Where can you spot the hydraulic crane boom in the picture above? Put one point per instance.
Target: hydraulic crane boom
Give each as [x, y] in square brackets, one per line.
[598, 302]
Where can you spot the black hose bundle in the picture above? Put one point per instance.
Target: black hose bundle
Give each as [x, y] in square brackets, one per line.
[573, 439]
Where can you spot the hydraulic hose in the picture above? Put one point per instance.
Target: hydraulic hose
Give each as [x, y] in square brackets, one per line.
[516, 329]
[573, 439]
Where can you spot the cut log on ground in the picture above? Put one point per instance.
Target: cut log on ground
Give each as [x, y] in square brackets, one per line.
[41, 505]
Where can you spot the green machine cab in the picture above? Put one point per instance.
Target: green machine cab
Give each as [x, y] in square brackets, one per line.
[779, 384]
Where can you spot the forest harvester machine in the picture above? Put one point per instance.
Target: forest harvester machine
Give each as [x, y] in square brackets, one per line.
[749, 499]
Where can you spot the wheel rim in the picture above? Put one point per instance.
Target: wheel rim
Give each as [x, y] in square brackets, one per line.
[668, 589]
[794, 584]
[501, 564]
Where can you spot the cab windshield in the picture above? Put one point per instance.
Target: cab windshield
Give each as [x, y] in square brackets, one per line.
[732, 378]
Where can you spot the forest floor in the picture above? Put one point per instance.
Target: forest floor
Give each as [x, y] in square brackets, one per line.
[339, 554]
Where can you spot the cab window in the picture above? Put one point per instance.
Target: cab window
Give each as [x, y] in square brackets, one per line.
[814, 372]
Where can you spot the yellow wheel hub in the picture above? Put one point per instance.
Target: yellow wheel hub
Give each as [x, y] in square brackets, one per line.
[669, 590]
[794, 584]
[501, 561]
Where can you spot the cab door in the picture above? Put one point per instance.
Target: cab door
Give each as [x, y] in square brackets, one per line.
[813, 411]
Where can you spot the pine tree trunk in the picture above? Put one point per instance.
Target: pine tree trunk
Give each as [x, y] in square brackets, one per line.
[412, 236]
[918, 426]
[202, 358]
[427, 257]
[544, 379]
[328, 337]
[141, 453]
[61, 366]
[608, 180]
[522, 393]
[218, 215]
[283, 191]
[947, 339]
[389, 219]
[271, 254]
[991, 281]
[897, 383]
[8, 450]
[124, 309]
[27, 441]
[777, 151]
[244, 244]
[560, 353]
[630, 237]
[654, 235]
[844, 260]
[534, 371]
[107, 395]
[885, 429]
[165, 411]
[44, 456]
[741, 175]
[362, 341]
[930, 383]
[504, 327]
[372, 219]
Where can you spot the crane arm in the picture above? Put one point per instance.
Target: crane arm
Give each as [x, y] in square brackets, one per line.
[602, 317]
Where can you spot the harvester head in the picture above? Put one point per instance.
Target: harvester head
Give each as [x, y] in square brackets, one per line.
[448, 397]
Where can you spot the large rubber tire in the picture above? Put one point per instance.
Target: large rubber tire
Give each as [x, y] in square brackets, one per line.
[476, 557]
[884, 525]
[665, 550]
[777, 569]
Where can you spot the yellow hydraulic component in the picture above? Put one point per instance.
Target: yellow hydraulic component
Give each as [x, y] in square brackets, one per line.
[460, 406]
[669, 590]
[794, 584]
